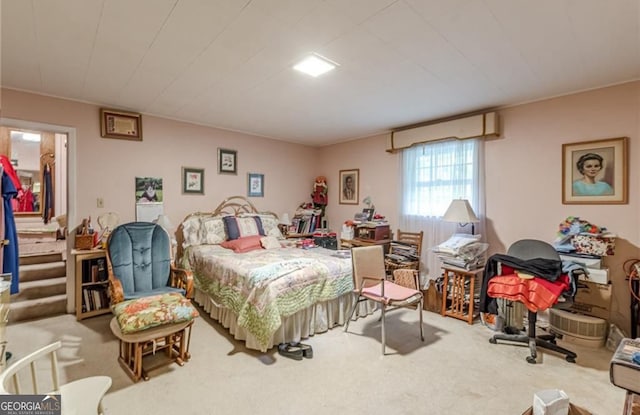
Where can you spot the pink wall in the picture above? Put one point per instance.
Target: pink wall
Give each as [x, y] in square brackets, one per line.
[107, 167]
[523, 168]
[523, 175]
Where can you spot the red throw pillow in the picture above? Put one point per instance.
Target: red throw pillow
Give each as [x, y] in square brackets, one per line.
[244, 244]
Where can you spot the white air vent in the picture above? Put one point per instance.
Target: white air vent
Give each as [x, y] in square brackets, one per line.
[577, 328]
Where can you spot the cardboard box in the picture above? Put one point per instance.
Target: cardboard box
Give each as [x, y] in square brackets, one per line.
[593, 300]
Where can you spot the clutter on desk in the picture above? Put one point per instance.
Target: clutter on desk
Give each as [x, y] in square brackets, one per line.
[463, 251]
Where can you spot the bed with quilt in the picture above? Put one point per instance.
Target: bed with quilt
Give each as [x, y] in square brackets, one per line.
[256, 284]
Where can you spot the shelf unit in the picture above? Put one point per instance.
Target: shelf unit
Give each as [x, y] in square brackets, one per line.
[458, 297]
[89, 281]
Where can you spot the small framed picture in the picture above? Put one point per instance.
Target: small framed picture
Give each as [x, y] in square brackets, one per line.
[192, 181]
[255, 185]
[595, 172]
[369, 213]
[349, 182]
[120, 124]
[227, 161]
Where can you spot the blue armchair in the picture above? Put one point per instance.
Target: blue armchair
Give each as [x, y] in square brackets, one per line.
[139, 263]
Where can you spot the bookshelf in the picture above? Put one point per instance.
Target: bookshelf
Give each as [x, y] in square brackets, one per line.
[91, 283]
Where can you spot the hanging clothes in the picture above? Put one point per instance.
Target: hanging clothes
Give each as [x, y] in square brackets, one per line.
[10, 259]
[8, 169]
[25, 201]
[47, 199]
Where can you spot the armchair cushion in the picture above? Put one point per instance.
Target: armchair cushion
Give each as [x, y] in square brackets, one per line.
[139, 255]
[144, 313]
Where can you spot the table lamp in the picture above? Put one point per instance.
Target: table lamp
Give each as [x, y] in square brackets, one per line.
[284, 223]
[460, 211]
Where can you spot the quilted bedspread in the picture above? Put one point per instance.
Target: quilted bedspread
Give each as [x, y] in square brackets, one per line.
[264, 285]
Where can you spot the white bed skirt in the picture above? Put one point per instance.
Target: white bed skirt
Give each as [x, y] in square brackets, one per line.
[312, 320]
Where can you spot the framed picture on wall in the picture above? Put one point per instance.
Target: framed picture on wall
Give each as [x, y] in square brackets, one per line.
[595, 172]
[255, 185]
[349, 182]
[120, 124]
[192, 181]
[227, 161]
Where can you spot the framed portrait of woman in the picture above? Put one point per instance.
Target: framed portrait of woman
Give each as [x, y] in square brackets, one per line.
[595, 172]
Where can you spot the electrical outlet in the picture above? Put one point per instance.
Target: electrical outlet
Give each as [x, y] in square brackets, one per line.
[100, 202]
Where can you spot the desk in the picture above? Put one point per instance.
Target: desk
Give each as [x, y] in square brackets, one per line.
[460, 297]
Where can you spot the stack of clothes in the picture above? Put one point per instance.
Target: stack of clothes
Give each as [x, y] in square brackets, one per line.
[462, 251]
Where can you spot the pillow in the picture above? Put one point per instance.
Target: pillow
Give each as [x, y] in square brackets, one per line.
[244, 244]
[146, 312]
[270, 242]
[240, 227]
[213, 231]
[269, 224]
[191, 231]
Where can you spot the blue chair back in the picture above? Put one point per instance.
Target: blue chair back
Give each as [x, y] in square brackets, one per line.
[140, 254]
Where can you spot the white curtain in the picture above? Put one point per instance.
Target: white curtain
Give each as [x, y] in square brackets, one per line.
[433, 174]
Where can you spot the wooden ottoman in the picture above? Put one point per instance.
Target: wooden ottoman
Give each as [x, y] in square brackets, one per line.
[173, 338]
[151, 324]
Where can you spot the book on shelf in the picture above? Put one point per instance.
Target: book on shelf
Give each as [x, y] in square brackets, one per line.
[624, 369]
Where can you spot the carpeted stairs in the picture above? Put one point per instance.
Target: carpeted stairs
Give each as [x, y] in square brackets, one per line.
[43, 285]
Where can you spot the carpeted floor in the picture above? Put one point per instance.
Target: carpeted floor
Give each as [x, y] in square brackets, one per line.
[455, 371]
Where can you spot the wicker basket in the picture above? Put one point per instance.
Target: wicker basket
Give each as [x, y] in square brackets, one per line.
[393, 265]
[84, 241]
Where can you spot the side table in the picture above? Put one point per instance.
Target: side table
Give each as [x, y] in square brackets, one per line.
[459, 296]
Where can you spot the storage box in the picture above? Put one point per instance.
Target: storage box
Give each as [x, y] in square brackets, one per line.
[84, 241]
[595, 263]
[599, 276]
[601, 245]
[375, 234]
[594, 300]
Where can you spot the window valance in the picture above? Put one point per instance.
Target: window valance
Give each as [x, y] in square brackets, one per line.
[481, 125]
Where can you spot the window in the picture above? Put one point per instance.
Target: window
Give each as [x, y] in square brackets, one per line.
[436, 173]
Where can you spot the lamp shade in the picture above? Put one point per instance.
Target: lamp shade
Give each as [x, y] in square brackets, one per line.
[163, 220]
[460, 211]
[284, 219]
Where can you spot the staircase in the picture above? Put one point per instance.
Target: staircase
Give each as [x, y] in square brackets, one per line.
[43, 286]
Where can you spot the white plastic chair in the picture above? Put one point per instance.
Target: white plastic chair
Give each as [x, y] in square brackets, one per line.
[82, 396]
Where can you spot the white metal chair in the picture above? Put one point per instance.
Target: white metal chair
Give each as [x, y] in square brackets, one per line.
[82, 396]
[370, 283]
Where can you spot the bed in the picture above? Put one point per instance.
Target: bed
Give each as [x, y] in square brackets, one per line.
[264, 297]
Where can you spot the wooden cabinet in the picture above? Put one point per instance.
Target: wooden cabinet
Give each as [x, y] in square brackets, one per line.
[459, 292]
[91, 283]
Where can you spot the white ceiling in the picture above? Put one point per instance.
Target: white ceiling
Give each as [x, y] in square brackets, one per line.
[227, 63]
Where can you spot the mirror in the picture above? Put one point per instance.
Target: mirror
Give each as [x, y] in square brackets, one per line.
[29, 152]
[25, 158]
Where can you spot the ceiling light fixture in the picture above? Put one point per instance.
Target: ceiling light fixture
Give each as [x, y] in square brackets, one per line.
[315, 65]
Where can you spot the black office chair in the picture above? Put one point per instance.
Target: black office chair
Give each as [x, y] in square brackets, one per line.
[527, 249]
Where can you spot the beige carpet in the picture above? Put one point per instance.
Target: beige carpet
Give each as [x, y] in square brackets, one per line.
[455, 371]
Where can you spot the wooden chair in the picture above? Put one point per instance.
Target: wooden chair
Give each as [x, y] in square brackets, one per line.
[82, 396]
[398, 247]
[370, 283]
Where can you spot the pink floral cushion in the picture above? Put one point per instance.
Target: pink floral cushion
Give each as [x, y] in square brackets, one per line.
[146, 312]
